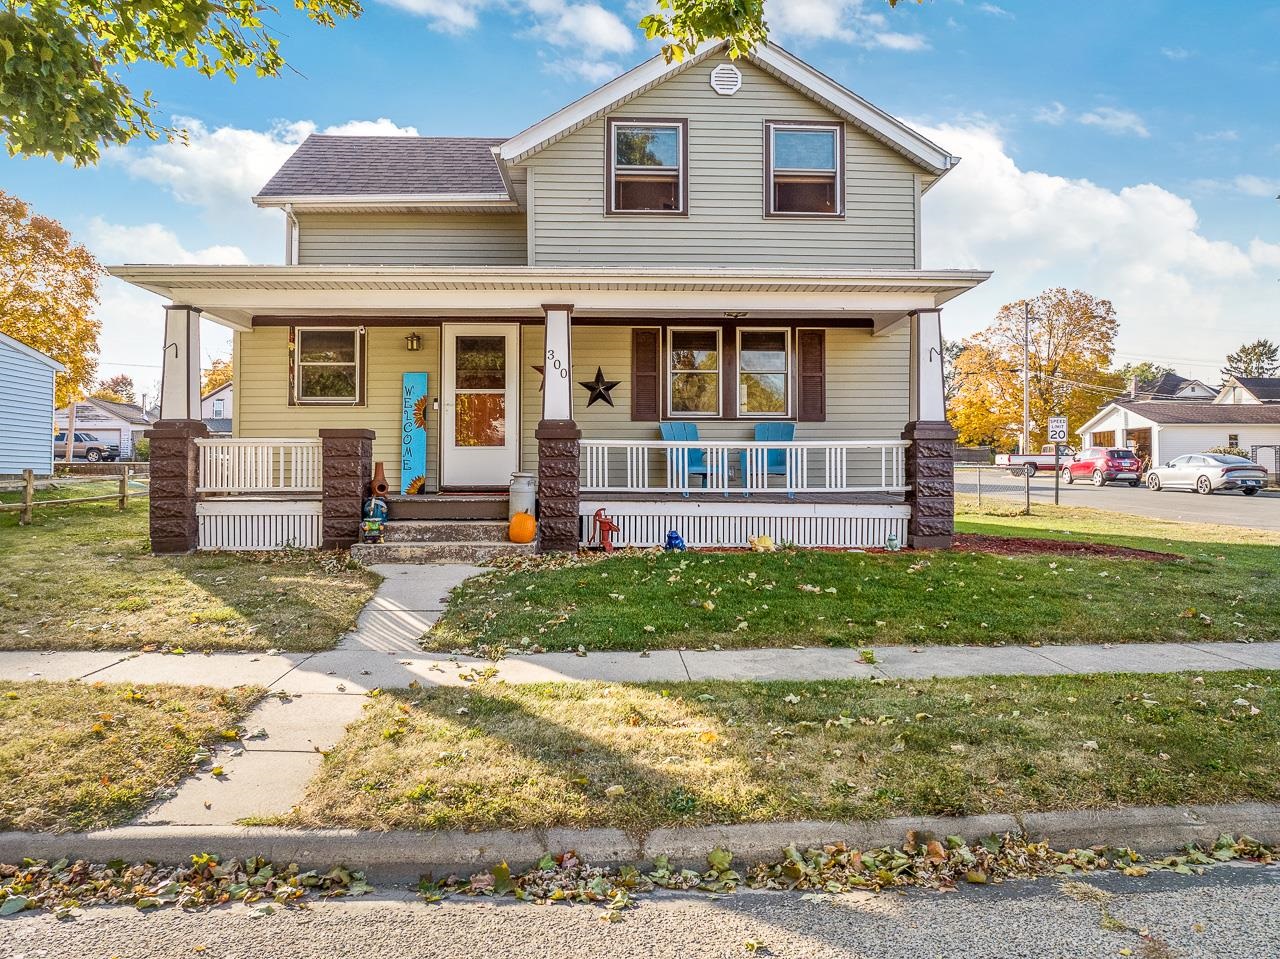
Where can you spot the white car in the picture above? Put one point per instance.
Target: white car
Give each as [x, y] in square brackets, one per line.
[1207, 473]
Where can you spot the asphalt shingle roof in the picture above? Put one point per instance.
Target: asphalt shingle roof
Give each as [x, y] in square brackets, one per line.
[129, 412]
[1208, 414]
[1263, 387]
[325, 165]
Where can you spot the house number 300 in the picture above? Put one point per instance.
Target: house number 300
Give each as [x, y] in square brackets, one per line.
[553, 363]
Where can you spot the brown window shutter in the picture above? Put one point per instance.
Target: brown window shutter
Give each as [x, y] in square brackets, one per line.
[811, 367]
[645, 374]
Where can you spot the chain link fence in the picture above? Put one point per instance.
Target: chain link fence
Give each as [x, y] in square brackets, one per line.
[995, 490]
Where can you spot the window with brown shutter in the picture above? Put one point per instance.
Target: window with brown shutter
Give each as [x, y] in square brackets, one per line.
[646, 374]
[811, 375]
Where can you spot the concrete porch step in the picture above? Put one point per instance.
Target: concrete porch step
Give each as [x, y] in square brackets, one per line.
[445, 531]
[477, 553]
[447, 506]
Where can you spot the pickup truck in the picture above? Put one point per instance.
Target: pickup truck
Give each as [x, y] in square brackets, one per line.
[86, 447]
[1033, 463]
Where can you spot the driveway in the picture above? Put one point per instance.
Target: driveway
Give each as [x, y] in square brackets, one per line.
[1229, 509]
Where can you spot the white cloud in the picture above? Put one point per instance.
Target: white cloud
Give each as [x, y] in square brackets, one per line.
[593, 71]
[993, 10]
[1180, 294]
[1176, 53]
[845, 20]
[381, 127]
[447, 16]
[587, 25]
[151, 243]
[1116, 121]
[1218, 136]
[1247, 183]
[1055, 114]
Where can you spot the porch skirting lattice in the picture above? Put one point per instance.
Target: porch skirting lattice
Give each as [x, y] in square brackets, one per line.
[243, 523]
[707, 524]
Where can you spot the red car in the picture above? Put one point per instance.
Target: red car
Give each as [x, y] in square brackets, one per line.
[1101, 466]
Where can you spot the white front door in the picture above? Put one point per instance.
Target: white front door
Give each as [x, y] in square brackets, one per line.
[480, 419]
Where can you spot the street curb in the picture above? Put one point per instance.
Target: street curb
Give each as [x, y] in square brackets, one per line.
[404, 855]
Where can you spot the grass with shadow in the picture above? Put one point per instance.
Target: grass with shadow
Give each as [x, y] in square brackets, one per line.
[82, 577]
[641, 756]
[75, 756]
[1224, 585]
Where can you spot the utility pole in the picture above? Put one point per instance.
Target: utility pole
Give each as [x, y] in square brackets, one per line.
[1026, 377]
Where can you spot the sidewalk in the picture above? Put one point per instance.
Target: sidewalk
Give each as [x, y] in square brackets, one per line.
[320, 694]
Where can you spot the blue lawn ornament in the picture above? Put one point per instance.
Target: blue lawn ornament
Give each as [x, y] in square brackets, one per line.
[375, 507]
[674, 541]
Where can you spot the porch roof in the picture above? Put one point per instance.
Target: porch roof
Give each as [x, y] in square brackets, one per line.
[234, 295]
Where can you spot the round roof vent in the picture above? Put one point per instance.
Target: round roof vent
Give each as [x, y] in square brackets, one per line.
[726, 79]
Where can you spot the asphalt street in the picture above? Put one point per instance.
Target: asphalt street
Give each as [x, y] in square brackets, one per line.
[1231, 912]
[1230, 509]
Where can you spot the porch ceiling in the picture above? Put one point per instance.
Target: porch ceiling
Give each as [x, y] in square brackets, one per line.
[233, 295]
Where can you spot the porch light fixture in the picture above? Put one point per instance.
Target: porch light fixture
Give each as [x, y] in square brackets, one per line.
[413, 343]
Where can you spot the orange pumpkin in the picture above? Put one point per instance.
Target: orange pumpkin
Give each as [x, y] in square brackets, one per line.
[522, 529]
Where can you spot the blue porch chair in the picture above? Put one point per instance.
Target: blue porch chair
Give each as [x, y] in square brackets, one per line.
[680, 432]
[775, 461]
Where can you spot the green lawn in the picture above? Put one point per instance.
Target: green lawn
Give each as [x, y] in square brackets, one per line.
[641, 756]
[81, 577]
[1224, 585]
[76, 757]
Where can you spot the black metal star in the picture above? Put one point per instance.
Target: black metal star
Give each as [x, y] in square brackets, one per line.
[599, 388]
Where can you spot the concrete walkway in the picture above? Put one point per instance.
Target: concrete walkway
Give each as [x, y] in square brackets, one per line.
[317, 695]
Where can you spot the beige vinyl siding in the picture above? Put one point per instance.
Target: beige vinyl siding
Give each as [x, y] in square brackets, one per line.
[726, 223]
[866, 389]
[413, 239]
[261, 362]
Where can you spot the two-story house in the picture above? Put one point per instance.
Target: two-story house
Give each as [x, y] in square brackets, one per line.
[692, 299]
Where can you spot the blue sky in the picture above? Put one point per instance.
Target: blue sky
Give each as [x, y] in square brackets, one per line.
[1132, 149]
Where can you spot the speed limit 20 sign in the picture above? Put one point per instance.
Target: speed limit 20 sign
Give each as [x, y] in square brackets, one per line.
[1057, 429]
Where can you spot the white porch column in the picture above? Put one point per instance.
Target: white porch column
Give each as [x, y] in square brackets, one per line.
[557, 393]
[928, 402]
[558, 435]
[180, 378]
[931, 455]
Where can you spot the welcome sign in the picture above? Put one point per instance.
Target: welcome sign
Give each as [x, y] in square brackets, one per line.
[413, 433]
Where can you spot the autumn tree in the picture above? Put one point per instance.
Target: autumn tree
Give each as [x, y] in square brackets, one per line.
[65, 63]
[684, 25]
[951, 350]
[1259, 358]
[219, 372]
[118, 389]
[1072, 340]
[1148, 373]
[48, 289]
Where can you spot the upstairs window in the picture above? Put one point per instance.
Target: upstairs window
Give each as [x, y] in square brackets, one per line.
[647, 166]
[804, 161]
[219, 409]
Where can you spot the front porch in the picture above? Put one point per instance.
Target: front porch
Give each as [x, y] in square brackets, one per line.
[719, 406]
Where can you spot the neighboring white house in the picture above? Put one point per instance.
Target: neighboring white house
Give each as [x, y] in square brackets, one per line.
[1173, 387]
[26, 408]
[119, 423]
[215, 409]
[1166, 428]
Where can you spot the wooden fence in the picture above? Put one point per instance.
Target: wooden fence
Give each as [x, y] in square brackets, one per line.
[29, 503]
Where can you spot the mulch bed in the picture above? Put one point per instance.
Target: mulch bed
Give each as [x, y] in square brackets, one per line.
[1027, 546]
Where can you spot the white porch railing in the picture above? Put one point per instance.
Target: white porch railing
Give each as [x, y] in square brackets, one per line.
[260, 466]
[743, 466]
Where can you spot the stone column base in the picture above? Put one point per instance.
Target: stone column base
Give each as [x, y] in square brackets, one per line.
[347, 469]
[558, 482]
[931, 478]
[175, 469]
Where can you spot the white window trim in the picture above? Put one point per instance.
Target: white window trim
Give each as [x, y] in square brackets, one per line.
[836, 130]
[718, 371]
[740, 393]
[298, 364]
[615, 170]
[219, 409]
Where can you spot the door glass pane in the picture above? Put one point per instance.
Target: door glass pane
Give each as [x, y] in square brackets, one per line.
[480, 420]
[804, 149]
[763, 393]
[695, 350]
[764, 350]
[327, 346]
[481, 363]
[646, 146]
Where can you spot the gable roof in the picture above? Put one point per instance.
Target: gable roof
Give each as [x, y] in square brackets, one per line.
[1187, 413]
[129, 412]
[32, 353]
[769, 57]
[218, 389]
[360, 169]
[1265, 388]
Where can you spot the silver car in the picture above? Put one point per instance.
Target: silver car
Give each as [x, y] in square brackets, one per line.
[1207, 473]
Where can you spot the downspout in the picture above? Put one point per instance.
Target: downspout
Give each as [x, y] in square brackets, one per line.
[290, 235]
